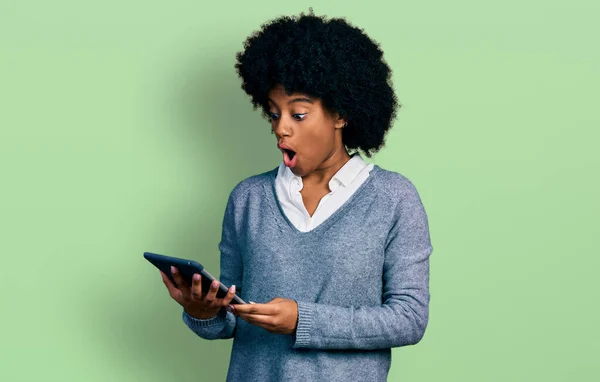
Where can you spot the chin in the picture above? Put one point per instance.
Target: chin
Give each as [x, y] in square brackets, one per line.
[297, 172]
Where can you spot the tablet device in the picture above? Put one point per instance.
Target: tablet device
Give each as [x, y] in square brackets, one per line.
[187, 268]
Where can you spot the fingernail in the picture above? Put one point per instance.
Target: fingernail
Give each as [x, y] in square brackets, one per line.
[233, 288]
[251, 302]
[196, 277]
[173, 270]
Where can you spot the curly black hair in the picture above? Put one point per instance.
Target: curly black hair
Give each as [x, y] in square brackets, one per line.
[331, 60]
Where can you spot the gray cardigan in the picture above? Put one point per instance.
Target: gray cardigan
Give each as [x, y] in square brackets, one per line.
[360, 278]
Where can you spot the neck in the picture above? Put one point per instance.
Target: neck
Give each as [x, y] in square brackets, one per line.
[322, 175]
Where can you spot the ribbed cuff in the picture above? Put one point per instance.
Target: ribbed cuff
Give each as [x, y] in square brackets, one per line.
[305, 319]
[194, 322]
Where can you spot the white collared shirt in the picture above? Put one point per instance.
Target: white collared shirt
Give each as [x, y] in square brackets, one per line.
[342, 185]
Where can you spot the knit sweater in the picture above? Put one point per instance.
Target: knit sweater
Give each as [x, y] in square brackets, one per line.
[360, 279]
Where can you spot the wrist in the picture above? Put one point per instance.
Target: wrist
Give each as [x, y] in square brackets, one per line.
[202, 315]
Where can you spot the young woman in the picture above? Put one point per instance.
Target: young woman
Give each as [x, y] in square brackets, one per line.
[333, 251]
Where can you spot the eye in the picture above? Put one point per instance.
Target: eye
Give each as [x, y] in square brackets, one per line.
[299, 117]
[273, 116]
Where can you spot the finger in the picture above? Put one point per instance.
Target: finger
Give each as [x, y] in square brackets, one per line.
[211, 296]
[181, 285]
[173, 291]
[264, 309]
[250, 315]
[230, 295]
[258, 319]
[168, 283]
[197, 286]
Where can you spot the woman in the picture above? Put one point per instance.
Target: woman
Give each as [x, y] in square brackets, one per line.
[334, 251]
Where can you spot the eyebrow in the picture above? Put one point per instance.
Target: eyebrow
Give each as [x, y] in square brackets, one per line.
[299, 99]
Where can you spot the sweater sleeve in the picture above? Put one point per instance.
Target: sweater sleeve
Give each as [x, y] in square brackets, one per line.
[402, 318]
[222, 326]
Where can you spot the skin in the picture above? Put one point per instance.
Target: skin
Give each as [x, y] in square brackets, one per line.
[302, 123]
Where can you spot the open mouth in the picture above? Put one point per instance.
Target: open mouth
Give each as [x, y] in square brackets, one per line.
[290, 153]
[289, 157]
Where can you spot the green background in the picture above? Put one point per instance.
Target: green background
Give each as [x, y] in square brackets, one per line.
[124, 128]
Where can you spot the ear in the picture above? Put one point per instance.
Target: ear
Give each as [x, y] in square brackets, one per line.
[340, 122]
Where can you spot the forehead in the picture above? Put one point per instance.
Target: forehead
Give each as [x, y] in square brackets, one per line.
[278, 95]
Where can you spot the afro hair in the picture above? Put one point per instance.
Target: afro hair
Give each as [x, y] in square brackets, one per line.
[327, 59]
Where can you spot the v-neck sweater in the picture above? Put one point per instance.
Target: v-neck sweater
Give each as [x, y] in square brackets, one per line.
[360, 279]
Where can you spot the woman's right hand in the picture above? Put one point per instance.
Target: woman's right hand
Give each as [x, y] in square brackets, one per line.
[191, 298]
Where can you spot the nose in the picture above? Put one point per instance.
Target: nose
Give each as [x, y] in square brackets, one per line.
[282, 129]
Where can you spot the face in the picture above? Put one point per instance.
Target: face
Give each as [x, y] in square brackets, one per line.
[302, 124]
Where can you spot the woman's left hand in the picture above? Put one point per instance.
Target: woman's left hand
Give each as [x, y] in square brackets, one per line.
[279, 315]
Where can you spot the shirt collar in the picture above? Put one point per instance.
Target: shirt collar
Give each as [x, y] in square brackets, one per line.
[350, 170]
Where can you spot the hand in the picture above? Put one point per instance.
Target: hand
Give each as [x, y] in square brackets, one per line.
[196, 305]
[279, 315]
